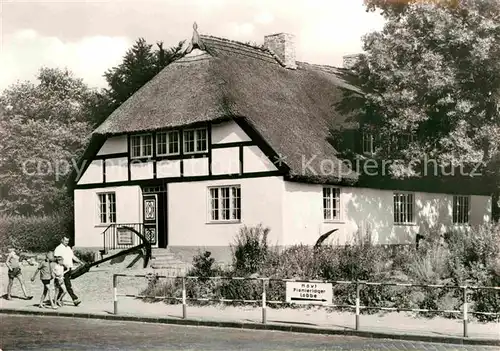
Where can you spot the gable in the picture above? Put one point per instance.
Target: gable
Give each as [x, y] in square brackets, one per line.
[114, 145]
[230, 152]
[228, 132]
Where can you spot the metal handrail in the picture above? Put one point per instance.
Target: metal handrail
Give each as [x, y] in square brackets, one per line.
[110, 236]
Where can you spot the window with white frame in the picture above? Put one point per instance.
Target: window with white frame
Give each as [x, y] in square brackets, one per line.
[225, 203]
[331, 203]
[107, 208]
[167, 143]
[461, 209]
[368, 143]
[404, 208]
[141, 145]
[195, 140]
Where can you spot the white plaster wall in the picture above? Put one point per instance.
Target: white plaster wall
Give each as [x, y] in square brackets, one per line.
[168, 168]
[226, 161]
[194, 167]
[254, 160]
[93, 174]
[88, 231]
[117, 169]
[114, 145]
[481, 207]
[368, 210]
[141, 170]
[228, 132]
[261, 202]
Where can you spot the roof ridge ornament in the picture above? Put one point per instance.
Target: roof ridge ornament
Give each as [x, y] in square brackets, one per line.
[196, 41]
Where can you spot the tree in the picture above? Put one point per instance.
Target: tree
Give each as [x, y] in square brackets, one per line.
[43, 128]
[433, 73]
[140, 64]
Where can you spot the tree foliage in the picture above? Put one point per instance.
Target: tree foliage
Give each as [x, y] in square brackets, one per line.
[43, 128]
[433, 71]
[140, 64]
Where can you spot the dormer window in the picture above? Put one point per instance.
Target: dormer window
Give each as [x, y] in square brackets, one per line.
[195, 140]
[141, 145]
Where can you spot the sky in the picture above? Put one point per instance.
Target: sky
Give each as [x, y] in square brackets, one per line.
[90, 36]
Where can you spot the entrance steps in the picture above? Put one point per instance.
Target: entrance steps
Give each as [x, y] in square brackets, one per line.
[164, 259]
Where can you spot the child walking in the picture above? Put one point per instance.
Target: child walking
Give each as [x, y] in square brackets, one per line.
[45, 268]
[14, 268]
[59, 271]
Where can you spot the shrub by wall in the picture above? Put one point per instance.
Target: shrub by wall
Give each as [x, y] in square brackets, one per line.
[464, 258]
[250, 249]
[473, 260]
[33, 234]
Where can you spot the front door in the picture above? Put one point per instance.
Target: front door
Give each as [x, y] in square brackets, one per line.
[150, 215]
[155, 214]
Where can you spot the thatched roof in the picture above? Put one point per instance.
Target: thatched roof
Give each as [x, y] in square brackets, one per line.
[293, 110]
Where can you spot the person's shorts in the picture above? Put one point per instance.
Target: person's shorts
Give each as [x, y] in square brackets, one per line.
[45, 281]
[58, 283]
[15, 272]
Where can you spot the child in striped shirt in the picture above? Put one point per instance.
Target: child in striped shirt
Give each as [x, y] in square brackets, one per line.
[45, 268]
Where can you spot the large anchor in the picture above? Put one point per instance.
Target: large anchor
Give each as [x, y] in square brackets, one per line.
[323, 237]
[146, 245]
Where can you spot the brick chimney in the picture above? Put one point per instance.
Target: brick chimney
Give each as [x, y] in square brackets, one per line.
[350, 60]
[283, 46]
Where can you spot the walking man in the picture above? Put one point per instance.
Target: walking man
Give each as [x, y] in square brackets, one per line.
[64, 251]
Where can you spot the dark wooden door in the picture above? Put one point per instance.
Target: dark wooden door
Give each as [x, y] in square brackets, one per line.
[150, 216]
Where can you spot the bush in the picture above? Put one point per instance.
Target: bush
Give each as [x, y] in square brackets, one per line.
[204, 267]
[479, 247]
[295, 262]
[240, 289]
[461, 258]
[157, 288]
[430, 266]
[250, 250]
[358, 260]
[33, 234]
[486, 300]
[202, 288]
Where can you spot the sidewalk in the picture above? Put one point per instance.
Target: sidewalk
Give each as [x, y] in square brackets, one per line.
[390, 325]
[96, 290]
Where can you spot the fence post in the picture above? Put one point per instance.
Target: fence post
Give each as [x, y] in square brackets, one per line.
[264, 316]
[358, 286]
[184, 307]
[115, 294]
[465, 316]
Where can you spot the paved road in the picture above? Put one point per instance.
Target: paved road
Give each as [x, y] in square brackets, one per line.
[64, 333]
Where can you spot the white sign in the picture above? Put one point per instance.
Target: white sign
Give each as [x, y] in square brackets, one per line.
[309, 293]
[124, 236]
